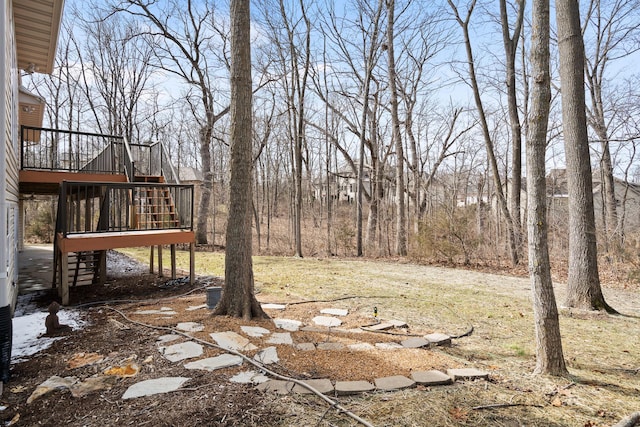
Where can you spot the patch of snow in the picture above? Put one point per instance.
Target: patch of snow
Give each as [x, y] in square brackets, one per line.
[28, 328]
[121, 265]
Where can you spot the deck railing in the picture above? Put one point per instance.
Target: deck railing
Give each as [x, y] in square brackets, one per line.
[153, 160]
[70, 151]
[90, 207]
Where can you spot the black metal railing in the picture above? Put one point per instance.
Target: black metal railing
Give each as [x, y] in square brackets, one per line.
[154, 160]
[89, 207]
[63, 150]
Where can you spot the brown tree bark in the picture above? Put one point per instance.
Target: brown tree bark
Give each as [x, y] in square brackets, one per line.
[584, 289]
[549, 355]
[238, 297]
[401, 213]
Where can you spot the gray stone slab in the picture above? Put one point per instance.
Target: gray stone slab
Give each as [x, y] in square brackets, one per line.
[335, 346]
[276, 386]
[438, 339]
[467, 374]
[329, 322]
[270, 306]
[282, 338]
[415, 342]
[196, 307]
[334, 311]
[315, 329]
[324, 386]
[190, 326]
[255, 331]
[344, 388]
[287, 324]
[388, 346]
[431, 378]
[396, 382]
[379, 327]
[214, 363]
[231, 341]
[305, 346]
[167, 338]
[249, 377]
[397, 323]
[181, 351]
[361, 346]
[155, 386]
[267, 356]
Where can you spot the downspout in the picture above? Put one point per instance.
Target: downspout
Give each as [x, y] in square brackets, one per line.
[5, 283]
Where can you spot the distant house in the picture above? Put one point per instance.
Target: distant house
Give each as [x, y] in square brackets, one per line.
[627, 200]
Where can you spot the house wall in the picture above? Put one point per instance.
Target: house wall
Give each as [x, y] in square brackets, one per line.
[628, 205]
[9, 194]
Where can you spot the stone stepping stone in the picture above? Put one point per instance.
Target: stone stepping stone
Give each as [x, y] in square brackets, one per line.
[329, 322]
[388, 346]
[283, 338]
[431, 378]
[344, 388]
[335, 346]
[231, 341]
[249, 377]
[438, 339]
[267, 356]
[415, 342]
[396, 382]
[305, 346]
[214, 363]
[379, 327]
[181, 351]
[397, 323]
[270, 306]
[314, 329]
[324, 386]
[361, 346]
[196, 307]
[190, 326]
[255, 331]
[156, 386]
[467, 374]
[276, 386]
[287, 324]
[167, 338]
[334, 311]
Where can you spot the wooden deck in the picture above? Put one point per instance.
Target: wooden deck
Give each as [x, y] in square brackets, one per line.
[48, 182]
[123, 239]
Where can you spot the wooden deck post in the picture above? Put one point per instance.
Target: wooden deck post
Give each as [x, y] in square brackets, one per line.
[160, 272]
[151, 261]
[102, 265]
[63, 291]
[173, 261]
[192, 262]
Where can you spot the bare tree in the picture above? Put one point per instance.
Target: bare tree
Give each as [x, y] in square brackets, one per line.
[511, 50]
[549, 356]
[238, 298]
[401, 213]
[488, 141]
[610, 28]
[183, 39]
[584, 289]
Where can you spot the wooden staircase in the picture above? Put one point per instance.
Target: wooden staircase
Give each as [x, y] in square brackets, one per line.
[155, 208]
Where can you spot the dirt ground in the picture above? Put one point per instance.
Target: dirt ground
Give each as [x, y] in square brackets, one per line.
[120, 336]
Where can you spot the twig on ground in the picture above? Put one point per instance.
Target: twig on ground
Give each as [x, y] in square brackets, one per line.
[504, 405]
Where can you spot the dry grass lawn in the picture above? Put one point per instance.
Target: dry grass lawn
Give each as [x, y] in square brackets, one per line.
[602, 351]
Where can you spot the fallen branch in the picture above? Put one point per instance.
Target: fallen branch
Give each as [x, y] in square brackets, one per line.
[503, 405]
[630, 421]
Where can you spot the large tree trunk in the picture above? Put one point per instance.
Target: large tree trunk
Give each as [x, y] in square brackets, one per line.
[549, 356]
[401, 213]
[583, 282]
[238, 298]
